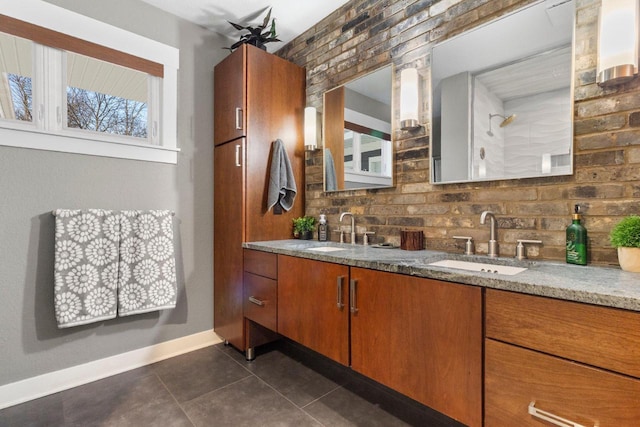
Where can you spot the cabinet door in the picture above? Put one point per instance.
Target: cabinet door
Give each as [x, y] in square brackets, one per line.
[422, 338]
[228, 228]
[516, 378]
[275, 105]
[308, 312]
[229, 102]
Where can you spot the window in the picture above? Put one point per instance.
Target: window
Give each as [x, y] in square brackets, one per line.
[367, 154]
[90, 88]
[16, 71]
[105, 97]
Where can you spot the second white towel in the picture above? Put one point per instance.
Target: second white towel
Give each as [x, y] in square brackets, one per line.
[86, 266]
[147, 276]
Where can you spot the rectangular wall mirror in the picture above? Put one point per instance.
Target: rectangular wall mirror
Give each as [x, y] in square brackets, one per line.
[502, 98]
[358, 152]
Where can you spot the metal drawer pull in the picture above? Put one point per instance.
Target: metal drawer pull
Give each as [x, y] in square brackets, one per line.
[238, 118]
[238, 155]
[552, 418]
[256, 301]
[353, 287]
[339, 303]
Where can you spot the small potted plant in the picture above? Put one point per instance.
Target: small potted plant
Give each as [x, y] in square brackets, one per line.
[257, 36]
[626, 237]
[303, 227]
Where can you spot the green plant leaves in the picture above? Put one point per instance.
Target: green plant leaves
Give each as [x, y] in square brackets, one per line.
[256, 35]
[626, 233]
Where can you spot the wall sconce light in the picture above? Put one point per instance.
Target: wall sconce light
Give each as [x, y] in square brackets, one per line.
[617, 42]
[310, 129]
[409, 99]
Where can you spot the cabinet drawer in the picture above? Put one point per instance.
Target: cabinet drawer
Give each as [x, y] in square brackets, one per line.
[261, 263]
[600, 336]
[261, 300]
[516, 377]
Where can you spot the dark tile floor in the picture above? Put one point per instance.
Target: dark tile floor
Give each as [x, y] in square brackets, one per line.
[286, 385]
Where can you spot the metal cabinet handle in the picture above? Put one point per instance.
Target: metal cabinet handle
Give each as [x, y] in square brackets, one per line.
[238, 147]
[238, 118]
[340, 304]
[256, 301]
[552, 418]
[353, 288]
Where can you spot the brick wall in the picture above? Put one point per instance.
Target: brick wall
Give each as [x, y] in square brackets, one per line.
[365, 34]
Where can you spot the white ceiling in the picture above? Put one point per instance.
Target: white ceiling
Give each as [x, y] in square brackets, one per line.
[293, 17]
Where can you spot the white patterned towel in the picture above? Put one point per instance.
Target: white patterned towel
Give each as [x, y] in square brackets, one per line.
[147, 274]
[86, 266]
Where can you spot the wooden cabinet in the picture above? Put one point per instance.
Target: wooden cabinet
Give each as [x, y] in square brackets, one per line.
[230, 97]
[258, 98]
[227, 290]
[333, 129]
[569, 360]
[598, 336]
[261, 288]
[518, 378]
[421, 337]
[313, 305]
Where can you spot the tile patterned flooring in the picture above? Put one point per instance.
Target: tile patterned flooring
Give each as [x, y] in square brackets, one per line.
[286, 385]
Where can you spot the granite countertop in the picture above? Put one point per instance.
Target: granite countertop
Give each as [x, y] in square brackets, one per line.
[604, 286]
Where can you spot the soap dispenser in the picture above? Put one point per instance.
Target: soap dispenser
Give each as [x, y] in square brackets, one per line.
[576, 240]
[323, 228]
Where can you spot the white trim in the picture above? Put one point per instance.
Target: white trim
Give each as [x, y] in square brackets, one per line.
[29, 137]
[53, 382]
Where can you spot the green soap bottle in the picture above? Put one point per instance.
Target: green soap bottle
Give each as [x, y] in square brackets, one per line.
[576, 240]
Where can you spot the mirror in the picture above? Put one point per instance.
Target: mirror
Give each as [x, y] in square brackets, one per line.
[502, 98]
[358, 152]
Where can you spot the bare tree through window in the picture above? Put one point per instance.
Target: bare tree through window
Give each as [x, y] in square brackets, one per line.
[22, 96]
[105, 113]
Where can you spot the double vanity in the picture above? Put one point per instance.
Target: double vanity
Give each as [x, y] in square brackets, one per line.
[486, 341]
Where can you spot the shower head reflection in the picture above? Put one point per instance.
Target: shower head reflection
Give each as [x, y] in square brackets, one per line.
[506, 121]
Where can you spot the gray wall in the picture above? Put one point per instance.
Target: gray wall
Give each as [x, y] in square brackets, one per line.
[33, 182]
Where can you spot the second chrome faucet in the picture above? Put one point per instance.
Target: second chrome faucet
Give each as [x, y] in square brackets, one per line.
[493, 240]
[353, 226]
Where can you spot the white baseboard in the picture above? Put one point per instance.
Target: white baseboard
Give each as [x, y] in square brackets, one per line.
[53, 382]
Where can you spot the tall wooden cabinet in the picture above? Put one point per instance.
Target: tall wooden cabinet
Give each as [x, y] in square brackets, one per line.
[258, 98]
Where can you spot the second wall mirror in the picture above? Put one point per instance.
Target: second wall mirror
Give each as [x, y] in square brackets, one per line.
[358, 152]
[502, 98]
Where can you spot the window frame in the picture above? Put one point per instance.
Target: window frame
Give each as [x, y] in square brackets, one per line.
[89, 37]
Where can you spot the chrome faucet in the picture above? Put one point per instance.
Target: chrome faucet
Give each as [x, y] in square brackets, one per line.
[353, 226]
[493, 243]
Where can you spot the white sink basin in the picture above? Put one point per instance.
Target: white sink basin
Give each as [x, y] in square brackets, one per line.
[479, 266]
[325, 249]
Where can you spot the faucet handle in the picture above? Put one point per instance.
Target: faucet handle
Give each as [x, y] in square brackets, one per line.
[341, 231]
[468, 247]
[366, 237]
[521, 252]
